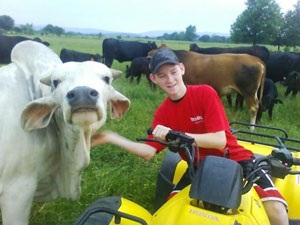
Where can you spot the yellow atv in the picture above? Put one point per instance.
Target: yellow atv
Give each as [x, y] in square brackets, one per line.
[211, 199]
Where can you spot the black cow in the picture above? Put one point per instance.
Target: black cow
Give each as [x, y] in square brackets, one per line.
[124, 50]
[37, 39]
[292, 81]
[138, 67]
[282, 63]
[258, 51]
[8, 42]
[67, 55]
[269, 99]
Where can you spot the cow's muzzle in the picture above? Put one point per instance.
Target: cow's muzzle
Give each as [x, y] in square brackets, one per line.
[82, 98]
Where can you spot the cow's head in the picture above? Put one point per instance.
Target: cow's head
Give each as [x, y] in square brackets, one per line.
[152, 52]
[194, 47]
[152, 45]
[98, 58]
[293, 80]
[81, 91]
[128, 72]
[267, 101]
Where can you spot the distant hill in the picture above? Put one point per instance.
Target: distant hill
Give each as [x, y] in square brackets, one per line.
[151, 34]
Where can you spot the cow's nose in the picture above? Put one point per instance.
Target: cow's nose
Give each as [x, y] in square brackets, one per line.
[82, 96]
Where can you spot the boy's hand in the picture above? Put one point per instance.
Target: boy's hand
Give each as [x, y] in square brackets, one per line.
[100, 138]
[160, 132]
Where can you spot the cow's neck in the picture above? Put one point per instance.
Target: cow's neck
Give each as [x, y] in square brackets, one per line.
[74, 157]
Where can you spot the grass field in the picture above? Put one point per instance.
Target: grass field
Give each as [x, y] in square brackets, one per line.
[114, 172]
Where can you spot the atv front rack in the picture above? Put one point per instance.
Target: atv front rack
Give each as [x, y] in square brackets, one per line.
[281, 139]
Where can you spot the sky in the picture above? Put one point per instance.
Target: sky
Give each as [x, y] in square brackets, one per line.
[131, 16]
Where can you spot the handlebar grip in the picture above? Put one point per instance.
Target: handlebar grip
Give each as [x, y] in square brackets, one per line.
[149, 131]
[296, 161]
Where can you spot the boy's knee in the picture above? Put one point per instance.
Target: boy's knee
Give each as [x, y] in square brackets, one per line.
[276, 212]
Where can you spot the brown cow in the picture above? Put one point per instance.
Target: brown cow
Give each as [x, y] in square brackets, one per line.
[226, 73]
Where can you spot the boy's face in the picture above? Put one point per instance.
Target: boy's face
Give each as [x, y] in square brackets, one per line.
[169, 79]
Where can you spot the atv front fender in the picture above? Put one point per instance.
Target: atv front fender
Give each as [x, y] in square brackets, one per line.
[114, 210]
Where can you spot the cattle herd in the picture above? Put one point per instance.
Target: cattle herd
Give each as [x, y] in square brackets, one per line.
[53, 109]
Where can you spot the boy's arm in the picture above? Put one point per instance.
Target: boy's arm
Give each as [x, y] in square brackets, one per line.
[142, 150]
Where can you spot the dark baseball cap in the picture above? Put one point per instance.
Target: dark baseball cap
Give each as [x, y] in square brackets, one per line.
[161, 57]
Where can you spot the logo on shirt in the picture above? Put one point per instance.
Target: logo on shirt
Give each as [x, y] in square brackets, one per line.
[197, 119]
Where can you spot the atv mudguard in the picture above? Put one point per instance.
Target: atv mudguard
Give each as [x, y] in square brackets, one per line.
[180, 210]
[114, 210]
[170, 173]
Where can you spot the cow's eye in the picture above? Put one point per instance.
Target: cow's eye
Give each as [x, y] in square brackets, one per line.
[56, 83]
[106, 79]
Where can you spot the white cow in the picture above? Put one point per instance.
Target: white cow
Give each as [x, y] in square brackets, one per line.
[45, 128]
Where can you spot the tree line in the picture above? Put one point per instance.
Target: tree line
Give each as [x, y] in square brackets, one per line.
[8, 24]
[260, 23]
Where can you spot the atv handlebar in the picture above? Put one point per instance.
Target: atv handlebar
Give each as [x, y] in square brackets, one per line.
[279, 163]
[174, 135]
[177, 141]
[296, 162]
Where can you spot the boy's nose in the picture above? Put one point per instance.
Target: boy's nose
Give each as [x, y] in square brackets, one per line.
[169, 77]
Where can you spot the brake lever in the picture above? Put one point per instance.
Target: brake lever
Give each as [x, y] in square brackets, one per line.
[174, 145]
[152, 140]
[170, 143]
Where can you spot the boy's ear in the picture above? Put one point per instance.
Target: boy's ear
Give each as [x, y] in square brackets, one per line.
[152, 77]
[182, 67]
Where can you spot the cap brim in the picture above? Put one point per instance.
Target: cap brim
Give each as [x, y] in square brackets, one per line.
[163, 63]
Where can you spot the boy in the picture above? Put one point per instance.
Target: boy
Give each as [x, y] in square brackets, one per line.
[196, 110]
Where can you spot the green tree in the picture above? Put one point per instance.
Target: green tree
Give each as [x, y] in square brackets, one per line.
[6, 22]
[279, 40]
[27, 29]
[190, 33]
[58, 30]
[218, 39]
[48, 29]
[258, 23]
[204, 38]
[291, 27]
[17, 29]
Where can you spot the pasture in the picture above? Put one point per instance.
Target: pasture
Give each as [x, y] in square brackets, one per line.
[114, 172]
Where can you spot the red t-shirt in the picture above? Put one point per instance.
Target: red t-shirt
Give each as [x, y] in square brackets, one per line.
[199, 111]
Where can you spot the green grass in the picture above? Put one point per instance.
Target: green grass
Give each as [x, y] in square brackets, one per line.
[114, 172]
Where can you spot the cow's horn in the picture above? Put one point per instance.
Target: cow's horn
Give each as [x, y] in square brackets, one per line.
[116, 73]
[46, 80]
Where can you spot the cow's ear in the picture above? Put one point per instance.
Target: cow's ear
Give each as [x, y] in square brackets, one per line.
[119, 105]
[116, 73]
[37, 114]
[46, 80]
